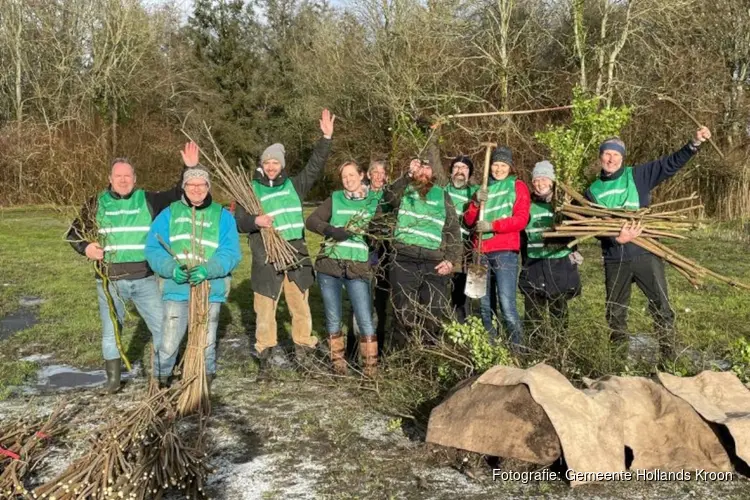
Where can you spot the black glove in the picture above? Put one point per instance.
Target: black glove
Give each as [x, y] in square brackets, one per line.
[336, 233]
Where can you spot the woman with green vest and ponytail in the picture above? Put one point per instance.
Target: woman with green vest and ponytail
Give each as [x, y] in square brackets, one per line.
[281, 197]
[506, 214]
[195, 217]
[344, 263]
[549, 272]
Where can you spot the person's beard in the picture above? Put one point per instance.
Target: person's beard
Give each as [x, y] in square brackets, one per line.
[423, 186]
[459, 181]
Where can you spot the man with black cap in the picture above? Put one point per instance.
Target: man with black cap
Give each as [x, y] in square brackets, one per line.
[461, 191]
[426, 248]
[630, 188]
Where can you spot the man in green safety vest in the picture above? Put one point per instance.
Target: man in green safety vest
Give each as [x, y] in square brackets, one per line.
[426, 249]
[461, 191]
[281, 198]
[630, 188]
[111, 231]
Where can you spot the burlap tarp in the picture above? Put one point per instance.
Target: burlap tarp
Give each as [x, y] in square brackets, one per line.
[501, 421]
[496, 414]
[718, 397]
[662, 430]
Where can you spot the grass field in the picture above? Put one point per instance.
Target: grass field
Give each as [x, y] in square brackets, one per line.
[337, 438]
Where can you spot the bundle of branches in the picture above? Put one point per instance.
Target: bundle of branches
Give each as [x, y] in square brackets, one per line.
[139, 454]
[23, 444]
[237, 183]
[586, 220]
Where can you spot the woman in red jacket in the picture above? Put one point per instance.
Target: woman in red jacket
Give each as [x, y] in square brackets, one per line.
[506, 213]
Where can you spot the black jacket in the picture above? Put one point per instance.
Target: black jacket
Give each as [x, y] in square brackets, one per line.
[83, 228]
[263, 277]
[451, 248]
[646, 176]
[319, 222]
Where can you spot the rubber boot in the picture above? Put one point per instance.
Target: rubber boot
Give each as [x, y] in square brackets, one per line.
[338, 353]
[163, 381]
[368, 349]
[210, 379]
[113, 368]
[303, 356]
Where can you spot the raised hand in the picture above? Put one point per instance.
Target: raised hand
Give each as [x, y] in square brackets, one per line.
[190, 154]
[326, 123]
[702, 135]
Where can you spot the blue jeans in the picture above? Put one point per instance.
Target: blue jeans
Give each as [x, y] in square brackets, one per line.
[175, 326]
[145, 295]
[504, 267]
[359, 296]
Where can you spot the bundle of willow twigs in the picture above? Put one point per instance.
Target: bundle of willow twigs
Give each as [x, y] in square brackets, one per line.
[585, 220]
[23, 444]
[237, 182]
[139, 454]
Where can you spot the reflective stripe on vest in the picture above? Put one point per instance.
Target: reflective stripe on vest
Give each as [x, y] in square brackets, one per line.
[283, 203]
[356, 214]
[501, 196]
[420, 221]
[460, 198]
[123, 225]
[620, 193]
[206, 228]
[541, 219]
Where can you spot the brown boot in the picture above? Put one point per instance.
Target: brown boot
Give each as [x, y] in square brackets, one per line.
[368, 349]
[338, 351]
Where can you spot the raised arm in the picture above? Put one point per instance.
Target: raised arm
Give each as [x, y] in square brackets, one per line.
[305, 180]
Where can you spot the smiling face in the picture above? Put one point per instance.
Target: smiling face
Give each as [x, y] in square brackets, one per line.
[423, 174]
[460, 174]
[272, 168]
[500, 170]
[196, 191]
[376, 174]
[352, 178]
[122, 178]
[542, 186]
[610, 161]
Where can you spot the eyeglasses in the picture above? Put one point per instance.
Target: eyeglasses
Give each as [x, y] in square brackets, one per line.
[197, 186]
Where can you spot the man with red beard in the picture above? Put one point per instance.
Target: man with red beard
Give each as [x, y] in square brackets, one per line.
[426, 248]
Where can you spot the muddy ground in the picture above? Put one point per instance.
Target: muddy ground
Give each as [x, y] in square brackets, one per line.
[304, 437]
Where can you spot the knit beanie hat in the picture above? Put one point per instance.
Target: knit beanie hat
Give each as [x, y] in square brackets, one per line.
[502, 154]
[274, 152]
[613, 144]
[466, 161]
[196, 173]
[543, 169]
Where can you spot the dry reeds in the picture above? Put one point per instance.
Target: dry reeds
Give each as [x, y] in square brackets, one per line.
[587, 220]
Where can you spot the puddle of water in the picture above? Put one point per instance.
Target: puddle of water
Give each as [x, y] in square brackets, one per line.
[17, 321]
[67, 377]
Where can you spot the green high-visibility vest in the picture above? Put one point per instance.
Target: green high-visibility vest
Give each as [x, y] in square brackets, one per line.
[460, 198]
[420, 221]
[202, 246]
[619, 193]
[283, 204]
[542, 218]
[123, 226]
[357, 215]
[500, 199]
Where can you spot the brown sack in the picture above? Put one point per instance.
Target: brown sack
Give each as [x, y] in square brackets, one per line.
[501, 421]
[591, 437]
[662, 430]
[718, 397]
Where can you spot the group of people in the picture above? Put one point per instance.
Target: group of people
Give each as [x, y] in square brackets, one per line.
[408, 241]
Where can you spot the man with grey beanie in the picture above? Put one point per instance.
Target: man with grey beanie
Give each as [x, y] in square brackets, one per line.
[281, 198]
[629, 188]
[549, 269]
